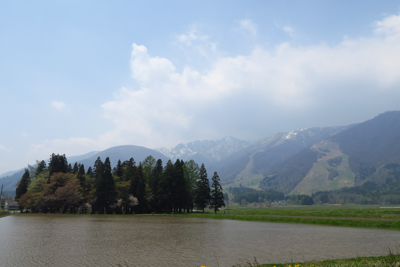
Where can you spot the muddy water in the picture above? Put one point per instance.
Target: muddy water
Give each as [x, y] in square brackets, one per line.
[96, 240]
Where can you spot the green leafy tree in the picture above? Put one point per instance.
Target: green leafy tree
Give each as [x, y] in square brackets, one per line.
[217, 196]
[202, 198]
[62, 193]
[191, 171]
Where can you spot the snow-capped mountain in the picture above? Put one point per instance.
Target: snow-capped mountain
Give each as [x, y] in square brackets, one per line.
[207, 151]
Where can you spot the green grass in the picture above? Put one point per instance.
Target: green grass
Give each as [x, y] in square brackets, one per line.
[356, 211]
[332, 214]
[332, 222]
[3, 213]
[390, 260]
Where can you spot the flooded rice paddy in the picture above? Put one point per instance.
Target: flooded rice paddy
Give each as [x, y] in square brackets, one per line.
[108, 240]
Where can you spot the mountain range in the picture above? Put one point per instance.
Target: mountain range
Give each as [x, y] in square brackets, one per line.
[297, 162]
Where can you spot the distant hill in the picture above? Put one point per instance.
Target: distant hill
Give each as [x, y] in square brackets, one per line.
[208, 152]
[369, 151]
[10, 181]
[247, 167]
[138, 153]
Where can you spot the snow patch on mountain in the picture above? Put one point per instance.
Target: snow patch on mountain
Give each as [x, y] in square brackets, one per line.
[212, 151]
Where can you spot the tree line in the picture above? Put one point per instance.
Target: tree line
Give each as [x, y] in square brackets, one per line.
[148, 187]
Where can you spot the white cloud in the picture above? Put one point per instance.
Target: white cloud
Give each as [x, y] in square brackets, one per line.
[197, 41]
[190, 37]
[258, 89]
[389, 25]
[249, 26]
[69, 147]
[289, 30]
[250, 96]
[58, 105]
[3, 148]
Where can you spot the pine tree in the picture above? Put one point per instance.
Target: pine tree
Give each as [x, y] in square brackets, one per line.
[89, 171]
[40, 168]
[118, 170]
[106, 193]
[58, 163]
[202, 192]
[23, 185]
[165, 188]
[179, 187]
[217, 196]
[81, 174]
[75, 169]
[154, 180]
[138, 189]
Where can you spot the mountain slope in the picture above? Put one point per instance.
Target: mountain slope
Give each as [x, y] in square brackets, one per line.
[138, 153]
[248, 165]
[352, 157]
[208, 152]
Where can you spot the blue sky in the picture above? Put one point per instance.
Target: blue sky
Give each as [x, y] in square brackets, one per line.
[78, 76]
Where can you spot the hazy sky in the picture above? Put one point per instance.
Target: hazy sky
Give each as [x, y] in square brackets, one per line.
[78, 76]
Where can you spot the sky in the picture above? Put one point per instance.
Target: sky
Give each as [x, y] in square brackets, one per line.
[81, 76]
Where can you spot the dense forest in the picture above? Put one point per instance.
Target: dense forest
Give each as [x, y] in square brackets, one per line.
[127, 188]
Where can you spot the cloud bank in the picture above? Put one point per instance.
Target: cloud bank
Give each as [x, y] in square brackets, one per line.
[250, 96]
[247, 94]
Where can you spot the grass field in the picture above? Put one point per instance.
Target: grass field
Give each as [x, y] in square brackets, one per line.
[349, 215]
[390, 260]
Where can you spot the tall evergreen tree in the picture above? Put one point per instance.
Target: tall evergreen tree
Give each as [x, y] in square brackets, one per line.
[58, 163]
[138, 189]
[165, 188]
[23, 185]
[154, 180]
[179, 187]
[90, 171]
[118, 170]
[217, 196]
[106, 193]
[202, 198]
[75, 169]
[81, 174]
[40, 168]
[97, 168]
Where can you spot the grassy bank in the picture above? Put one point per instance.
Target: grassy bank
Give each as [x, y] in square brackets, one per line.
[352, 215]
[4, 214]
[355, 211]
[332, 222]
[390, 260]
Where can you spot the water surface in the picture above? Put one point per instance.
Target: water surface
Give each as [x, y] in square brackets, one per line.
[107, 240]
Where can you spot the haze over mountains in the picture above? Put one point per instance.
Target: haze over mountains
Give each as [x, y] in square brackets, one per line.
[296, 162]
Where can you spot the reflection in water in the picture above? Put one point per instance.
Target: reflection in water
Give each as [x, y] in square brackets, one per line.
[108, 240]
